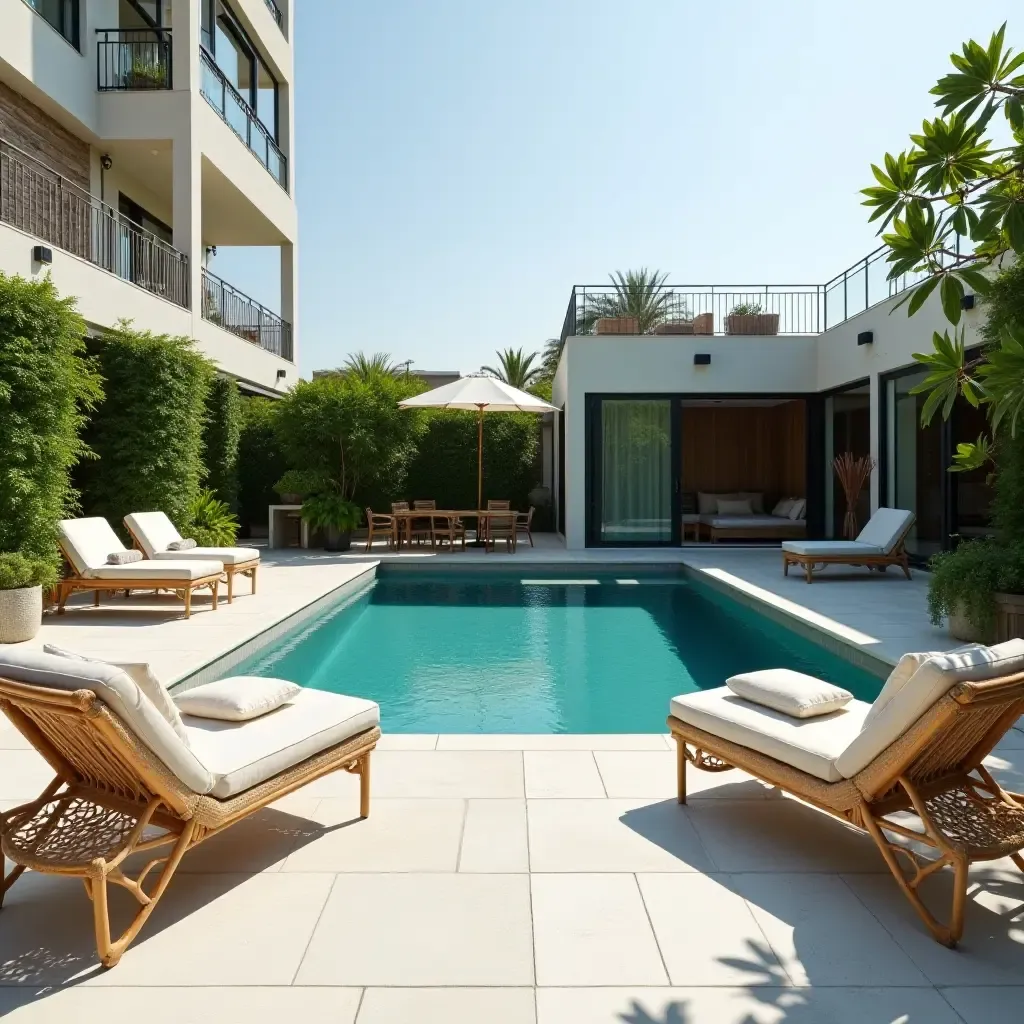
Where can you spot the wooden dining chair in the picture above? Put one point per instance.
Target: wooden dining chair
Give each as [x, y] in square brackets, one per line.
[501, 527]
[498, 504]
[381, 523]
[450, 528]
[524, 524]
[422, 529]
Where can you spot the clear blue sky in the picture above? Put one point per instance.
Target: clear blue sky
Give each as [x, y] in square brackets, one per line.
[462, 163]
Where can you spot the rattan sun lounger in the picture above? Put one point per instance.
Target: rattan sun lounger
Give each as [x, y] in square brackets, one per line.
[919, 748]
[88, 543]
[878, 545]
[125, 769]
[153, 533]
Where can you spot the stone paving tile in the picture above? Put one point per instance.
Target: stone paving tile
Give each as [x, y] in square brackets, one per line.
[423, 930]
[613, 835]
[593, 929]
[653, 774]
[494, 838]
[987, 1005]
[24, 774]
[562, 773]
[448, 1006]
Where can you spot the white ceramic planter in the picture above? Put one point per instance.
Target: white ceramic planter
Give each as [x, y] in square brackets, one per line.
[21, 614]
[961, 628]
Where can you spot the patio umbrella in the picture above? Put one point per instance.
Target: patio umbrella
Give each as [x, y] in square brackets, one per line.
[483, 393]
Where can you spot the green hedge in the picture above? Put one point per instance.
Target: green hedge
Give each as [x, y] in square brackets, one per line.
[220, 439]
[445, 467]
[46, 387]
[261, 462]
[148, 433]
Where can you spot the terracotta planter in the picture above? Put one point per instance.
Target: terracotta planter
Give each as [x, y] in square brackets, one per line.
[1009, 616]
[21, 614]
[704, 323]
[752, 323]
[617, 325]
[960, 628]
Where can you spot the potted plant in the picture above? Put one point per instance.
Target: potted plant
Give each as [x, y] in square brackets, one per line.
[22, 579]
[335, 515]
[211, 523]
[750, 318]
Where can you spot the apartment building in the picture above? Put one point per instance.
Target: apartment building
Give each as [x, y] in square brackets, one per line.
[137, 136]
[748, 394]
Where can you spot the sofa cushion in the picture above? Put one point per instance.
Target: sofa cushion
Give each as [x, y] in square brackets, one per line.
[934, 678]
[121, 694]
[783, 507]
[237, 698]
[756, 499]
[736, 507]
[809, 744]
[798, 509]
[240, 755]
[792, 693]
[885, 528]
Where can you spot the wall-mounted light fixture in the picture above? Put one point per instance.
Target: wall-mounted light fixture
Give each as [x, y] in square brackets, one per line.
[866, 338]
[967, 302]
[702, 359]
[42, 254]
[281, 374]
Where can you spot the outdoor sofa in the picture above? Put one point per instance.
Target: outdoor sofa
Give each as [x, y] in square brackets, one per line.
[917, 750]
[154, 533]
[136, 776]
[878, 545]
[89, 545]
[742, 515]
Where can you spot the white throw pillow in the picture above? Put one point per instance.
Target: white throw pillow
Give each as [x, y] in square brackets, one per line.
[142, 675]
[792, 693]
[237, 699]
[707, 504]
[782, 509]
[756, 499]
[735, 508]
[797, 511]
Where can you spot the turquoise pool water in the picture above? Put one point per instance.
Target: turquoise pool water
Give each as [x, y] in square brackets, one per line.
[535, 652]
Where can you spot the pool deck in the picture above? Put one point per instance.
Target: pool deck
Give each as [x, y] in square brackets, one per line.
[517, 879]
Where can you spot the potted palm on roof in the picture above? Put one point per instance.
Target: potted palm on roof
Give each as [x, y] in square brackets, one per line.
[750, 318]
[637, 304]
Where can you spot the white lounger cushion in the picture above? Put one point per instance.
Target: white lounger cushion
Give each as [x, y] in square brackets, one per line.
[121, 694]
[155, 532]
[792, 693]
[830, 547]
[810, 744]
[240, 755]
[885, 528]
[179, 569]
[906, 703]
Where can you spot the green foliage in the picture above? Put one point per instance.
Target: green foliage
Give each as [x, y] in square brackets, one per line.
[1004, 303]
[18, 571]
[445, 467]
[261, 461]
[637, 293]
[965, 581]
[359, 364]
[746, 309]
[344, 434]
[516, 368]
[47, 385]
[210, 522]
[221, 434]
[550, 357]
[1008, 503]
[331, 511]
[148, 434]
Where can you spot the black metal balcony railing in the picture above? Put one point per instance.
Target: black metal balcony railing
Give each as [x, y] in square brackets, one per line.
[229, 308]
[130, 59]
[276, 12]
[40, 202]
[242, 119]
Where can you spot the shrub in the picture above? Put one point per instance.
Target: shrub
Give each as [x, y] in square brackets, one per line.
[331, 511]
[445, 467]
[18, 571]
[965, 581]
[220, 439]
[47, 385]
[148, 434]
[344, 434]
[261, 461]
[210, 523]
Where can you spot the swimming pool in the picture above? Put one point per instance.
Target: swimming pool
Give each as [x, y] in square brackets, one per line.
[537, 652]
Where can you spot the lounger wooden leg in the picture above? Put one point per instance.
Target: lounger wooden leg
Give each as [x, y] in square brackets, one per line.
[785, 564]
[364, 786]
[809, 571]
[62, 596]
[188, 602]
[95, 599]
[680, 770]
[231, 586]
[252, 576]
[216, 592]
[905, 563]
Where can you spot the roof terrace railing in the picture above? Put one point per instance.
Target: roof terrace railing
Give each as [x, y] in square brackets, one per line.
[39, 201]
[244, 317]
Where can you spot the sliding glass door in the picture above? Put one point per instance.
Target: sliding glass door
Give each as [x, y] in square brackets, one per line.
[633, 477]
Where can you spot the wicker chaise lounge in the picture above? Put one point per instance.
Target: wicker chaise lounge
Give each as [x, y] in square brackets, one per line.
[87, 545]
[135, 777]
[154, 533]
[919, 749]
[878, 545]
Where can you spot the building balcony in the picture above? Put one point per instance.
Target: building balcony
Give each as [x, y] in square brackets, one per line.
[235, 312]
[133, 59]
[276, 13]
[42, 203]
[241, 119]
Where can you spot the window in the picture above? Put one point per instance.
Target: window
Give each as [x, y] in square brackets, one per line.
[63, 15]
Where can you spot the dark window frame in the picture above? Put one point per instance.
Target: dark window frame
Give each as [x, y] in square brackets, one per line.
[70, 33]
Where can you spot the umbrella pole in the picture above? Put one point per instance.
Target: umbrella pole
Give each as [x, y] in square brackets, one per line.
[480, 458]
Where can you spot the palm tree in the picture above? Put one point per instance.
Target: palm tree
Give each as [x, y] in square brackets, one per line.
[551, 354]
[637, 293]
[359, 364]
[516, 368]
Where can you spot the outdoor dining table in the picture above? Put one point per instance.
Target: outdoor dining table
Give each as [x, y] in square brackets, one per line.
[404, 517]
